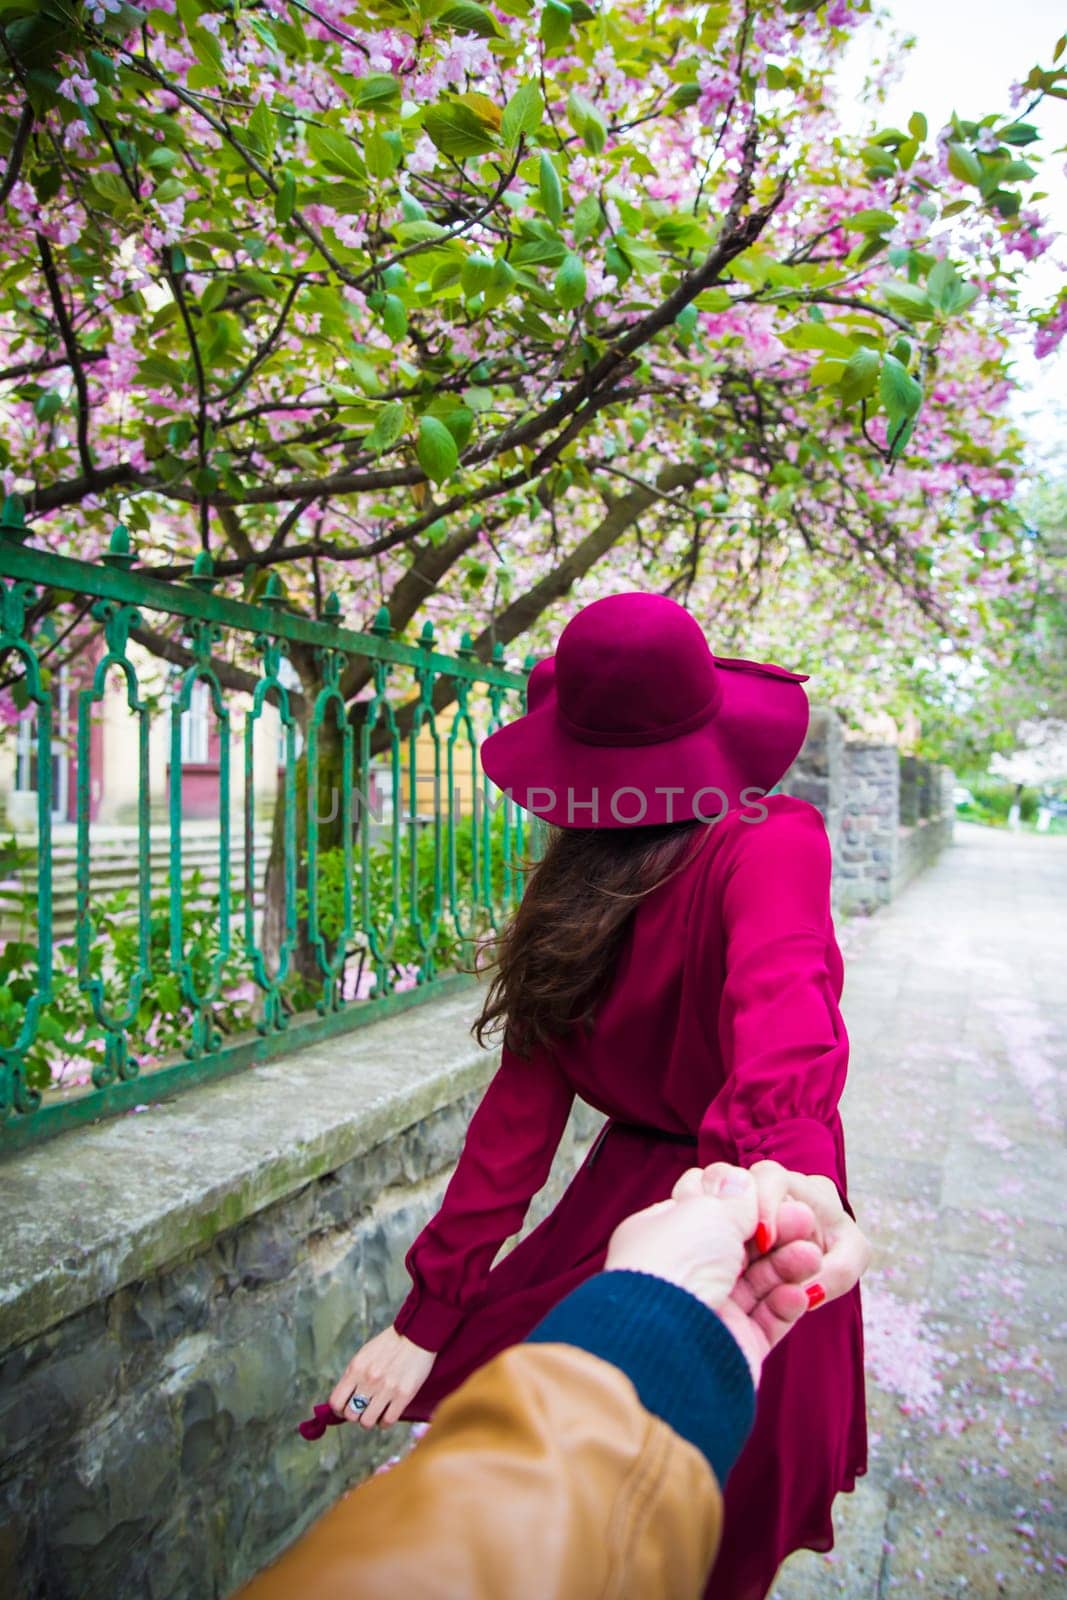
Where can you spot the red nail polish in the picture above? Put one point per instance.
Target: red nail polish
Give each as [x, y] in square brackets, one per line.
[763, 1238]
[816, 1295]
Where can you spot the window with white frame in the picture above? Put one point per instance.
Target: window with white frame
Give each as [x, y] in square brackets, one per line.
[27, 766]
[288, 675]
[196, 726]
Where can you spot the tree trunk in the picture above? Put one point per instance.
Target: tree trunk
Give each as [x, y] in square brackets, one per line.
[304, 961]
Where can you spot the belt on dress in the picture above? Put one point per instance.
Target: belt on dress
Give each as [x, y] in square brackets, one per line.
[637, 1127]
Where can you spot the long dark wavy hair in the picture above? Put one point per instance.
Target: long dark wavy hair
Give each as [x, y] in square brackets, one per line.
[556, 956]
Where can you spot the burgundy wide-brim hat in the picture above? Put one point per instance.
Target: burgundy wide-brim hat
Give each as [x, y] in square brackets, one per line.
[634, 722]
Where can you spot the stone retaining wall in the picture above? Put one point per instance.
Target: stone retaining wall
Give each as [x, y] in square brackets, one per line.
[149, 1439]
[887, 816]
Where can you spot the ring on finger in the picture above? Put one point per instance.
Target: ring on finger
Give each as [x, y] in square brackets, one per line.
[359, 1402]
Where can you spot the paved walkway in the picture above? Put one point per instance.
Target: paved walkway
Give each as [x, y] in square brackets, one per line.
[956, 1003]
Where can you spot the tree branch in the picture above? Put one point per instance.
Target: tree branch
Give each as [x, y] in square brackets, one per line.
[18, 150]
[70, 345]
[174, 279]
[266, 347]
[518, 617]
[169, 649]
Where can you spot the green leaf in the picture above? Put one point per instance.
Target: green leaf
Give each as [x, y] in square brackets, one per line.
[411, 210]
[870, 221]
[570, 282]
[819, 336]
[1016, 172]
[261, 129]
[285, 199]
[213, 295]
[436, 449]
[555, 25]
[208, 49]
[829, 370]
[477, 273]
[535, 251]
[523, 113]
[714, 300]
[947, 290]
[616, 263]
[383, 152]
[394, 317]
[467, 17]
[418, 230]
[390, 424]
[47, 404]
[860, 375]
[907, 300]
[964, 164]
[336, 153]
[1019, 133]
[901, 396]
[551, 189]
[168, 994]
[586, 220]
[378, 91]
[917, 126]
[503, 281]
[587, 122]
[459, 422]
[686, 320]
[457, 131]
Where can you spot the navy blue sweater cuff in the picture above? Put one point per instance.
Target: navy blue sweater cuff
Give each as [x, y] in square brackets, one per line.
[684, 1363]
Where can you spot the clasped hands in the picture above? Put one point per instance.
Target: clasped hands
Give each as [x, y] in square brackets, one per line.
[760, 1246]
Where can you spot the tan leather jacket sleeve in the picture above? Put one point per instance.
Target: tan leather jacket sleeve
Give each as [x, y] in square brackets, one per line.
[542, 1478]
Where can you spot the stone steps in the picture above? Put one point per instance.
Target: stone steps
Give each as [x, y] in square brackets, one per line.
[114, 867]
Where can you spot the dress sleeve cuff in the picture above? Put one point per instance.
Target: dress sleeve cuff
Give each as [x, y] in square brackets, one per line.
[800, 1143]
[427, 1322]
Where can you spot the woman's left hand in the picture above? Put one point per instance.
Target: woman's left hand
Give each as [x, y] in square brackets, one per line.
[846, 1251]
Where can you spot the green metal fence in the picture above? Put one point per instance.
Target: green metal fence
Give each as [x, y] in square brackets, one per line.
[164, 985]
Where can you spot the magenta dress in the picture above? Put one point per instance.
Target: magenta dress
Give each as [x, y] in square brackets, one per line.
[720, 1039]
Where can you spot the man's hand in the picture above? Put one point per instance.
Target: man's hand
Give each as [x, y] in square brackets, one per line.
[697, 1238]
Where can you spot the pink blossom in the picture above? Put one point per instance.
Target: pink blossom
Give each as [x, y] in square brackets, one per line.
[1050, 332]
[717, 86]
[77, 89]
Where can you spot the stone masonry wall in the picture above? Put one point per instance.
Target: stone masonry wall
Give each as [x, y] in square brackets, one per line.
[817, 773]
[149, 1442]
[920, 844]
[867, 845]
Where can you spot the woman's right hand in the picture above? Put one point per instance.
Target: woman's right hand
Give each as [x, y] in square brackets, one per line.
[846, 1250]
[389, 1370]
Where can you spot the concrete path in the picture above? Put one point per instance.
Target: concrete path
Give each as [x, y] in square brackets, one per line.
[956, 1003]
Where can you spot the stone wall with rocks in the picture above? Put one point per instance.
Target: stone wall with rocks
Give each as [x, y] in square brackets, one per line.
[817, 775]
[149, 1439]
[867, 844]
[887, 815]
[927, 820]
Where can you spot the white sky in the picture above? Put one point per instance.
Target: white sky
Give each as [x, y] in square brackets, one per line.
[967, 54]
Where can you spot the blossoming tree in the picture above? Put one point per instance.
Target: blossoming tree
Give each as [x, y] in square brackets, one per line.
[453, 307]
